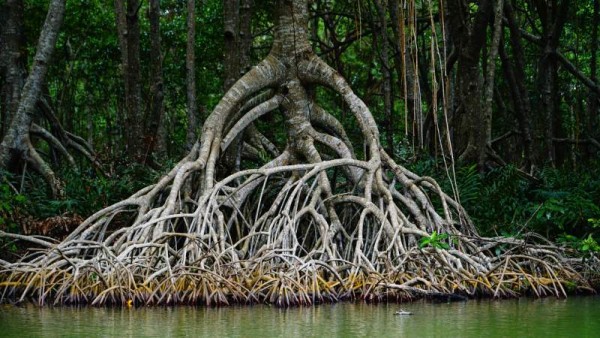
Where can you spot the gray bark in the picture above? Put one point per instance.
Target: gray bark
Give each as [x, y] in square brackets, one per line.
[238, 41]
[129, 42]
[16, 145]
[387, 78]
[488, 94]
[190, 75]
[156, 111]
[133, 100]
[230, 35]
[469, 39]
[516, 77]
[552, 15]
[12, 60]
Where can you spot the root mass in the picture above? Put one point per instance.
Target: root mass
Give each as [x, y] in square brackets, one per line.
[315, 223]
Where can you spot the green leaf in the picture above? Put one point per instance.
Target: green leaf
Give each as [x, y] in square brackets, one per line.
[425, 241]
[442, 245]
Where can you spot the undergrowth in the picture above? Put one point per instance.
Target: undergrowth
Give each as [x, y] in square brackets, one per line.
[560, 203]
[24, 198]
[87, 193]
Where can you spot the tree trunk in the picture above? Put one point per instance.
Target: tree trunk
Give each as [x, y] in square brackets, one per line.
[245, 36]
[397, 19]
[121, 24]
[552, 17]
[156, 108]
[488, 95]
[190, 76]
[284, 233]
[12, 60]
[133, 99]
[16, 144]
[230, 34]
[238, 41]
[593, 110]
[517, 84]
[387, 78]
[127, 16]
[404, 28]
[469, 39]
[16, 149]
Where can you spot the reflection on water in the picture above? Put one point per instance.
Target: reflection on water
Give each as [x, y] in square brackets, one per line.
[574, 317]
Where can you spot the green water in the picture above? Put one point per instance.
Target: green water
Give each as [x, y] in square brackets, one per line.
[574, 317]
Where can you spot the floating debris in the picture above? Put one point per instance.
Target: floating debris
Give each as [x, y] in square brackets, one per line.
[402, 312]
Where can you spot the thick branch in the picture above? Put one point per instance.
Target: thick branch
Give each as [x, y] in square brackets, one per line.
[14, 138]
[249, 117]
[577, 73]
[53, 141]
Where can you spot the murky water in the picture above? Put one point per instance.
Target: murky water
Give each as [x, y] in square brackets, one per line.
[574, 317]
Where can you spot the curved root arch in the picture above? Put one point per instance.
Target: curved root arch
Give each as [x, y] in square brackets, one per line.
[313, 224]
[276, 243]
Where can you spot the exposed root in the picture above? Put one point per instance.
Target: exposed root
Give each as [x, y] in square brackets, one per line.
[314, 224]
[280, 246]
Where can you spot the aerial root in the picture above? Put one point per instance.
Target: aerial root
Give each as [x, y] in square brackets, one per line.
[287, 233]
[279, 246]
[279, 285]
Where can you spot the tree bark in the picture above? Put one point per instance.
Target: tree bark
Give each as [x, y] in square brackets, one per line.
[127, 16]
[552, 15]
[190, 76]
[469, 39]
[121, 24]
[405, 30]
[16, 144]
[593, 111]
[230, 34]
[133, 100]
[12, 60]
[516, 79]
[238, 41]
[400, 62]
[387, 78]
[245, 35]
[488, 94]
[156, 108]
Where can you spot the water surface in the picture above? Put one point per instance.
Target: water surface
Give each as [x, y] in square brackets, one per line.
[573, 317]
